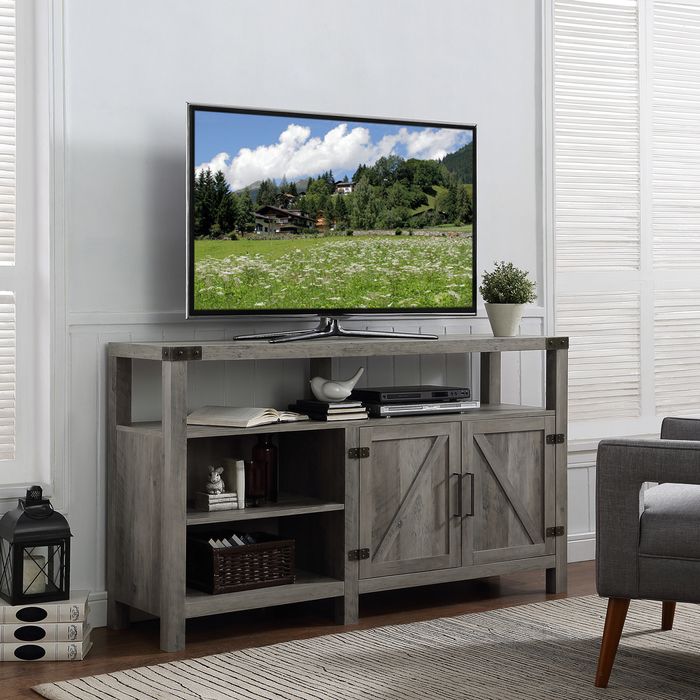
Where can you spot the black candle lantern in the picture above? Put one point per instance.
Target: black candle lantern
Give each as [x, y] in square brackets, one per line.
[34, 552]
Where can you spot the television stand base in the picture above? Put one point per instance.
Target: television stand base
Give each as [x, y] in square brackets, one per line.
[331, 328]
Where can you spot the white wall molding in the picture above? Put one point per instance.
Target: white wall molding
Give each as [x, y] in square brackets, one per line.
[60, 399]
[129, 318]
[97, 609]
[581, 547]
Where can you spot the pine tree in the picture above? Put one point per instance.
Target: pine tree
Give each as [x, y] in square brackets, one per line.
[227, 214]
[268, 194]
[246, 211]
[341, 212]
[204, 204]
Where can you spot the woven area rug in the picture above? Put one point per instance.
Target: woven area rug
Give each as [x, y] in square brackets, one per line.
[543, 651]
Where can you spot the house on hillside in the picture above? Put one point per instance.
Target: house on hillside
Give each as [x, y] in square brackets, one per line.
[269, 219]
[264, 224]
[342, 187]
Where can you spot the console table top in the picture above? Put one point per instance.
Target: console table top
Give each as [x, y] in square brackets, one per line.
[335, 347]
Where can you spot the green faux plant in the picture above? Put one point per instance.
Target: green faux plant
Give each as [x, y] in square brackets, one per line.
[507, 284]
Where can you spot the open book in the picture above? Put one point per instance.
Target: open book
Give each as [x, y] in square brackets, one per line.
[241, 416]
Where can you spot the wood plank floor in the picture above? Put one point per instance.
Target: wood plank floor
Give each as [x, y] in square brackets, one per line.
[138, 646]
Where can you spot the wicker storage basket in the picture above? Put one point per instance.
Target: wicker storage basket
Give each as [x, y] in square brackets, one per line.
[268, 562]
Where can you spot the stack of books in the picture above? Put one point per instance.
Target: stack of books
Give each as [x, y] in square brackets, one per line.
[216, 501]
[339, 410]
[45, 631]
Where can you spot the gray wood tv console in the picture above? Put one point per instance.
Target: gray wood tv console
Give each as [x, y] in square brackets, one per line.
[373, 505]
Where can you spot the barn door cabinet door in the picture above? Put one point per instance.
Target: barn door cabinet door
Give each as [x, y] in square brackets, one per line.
[409, 500]
[510, 468]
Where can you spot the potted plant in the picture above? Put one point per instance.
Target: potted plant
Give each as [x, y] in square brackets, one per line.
[506, 290]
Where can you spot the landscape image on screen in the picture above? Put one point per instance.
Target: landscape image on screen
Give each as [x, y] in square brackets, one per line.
[296, 213]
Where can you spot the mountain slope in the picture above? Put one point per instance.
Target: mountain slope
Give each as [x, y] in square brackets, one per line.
[460, 163]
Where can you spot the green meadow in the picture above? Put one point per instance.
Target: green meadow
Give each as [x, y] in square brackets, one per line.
[361, 271]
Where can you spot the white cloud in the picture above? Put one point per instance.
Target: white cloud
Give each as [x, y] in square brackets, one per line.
[296, 155]
[432, 144]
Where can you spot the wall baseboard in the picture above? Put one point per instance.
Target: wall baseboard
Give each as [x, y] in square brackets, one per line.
[97, 616]
[581, 547]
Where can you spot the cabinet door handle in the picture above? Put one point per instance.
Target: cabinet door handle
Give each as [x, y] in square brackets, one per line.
[471, 493]
[460, 504]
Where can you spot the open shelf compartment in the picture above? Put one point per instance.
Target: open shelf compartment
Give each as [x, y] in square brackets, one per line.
[308, 586]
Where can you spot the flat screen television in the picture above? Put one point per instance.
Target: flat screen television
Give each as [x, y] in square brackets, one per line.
[328, 215]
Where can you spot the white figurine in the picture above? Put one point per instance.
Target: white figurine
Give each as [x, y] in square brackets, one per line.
[215, 483]
[329, 390]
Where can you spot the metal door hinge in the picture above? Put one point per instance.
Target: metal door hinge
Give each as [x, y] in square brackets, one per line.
[183, 353]
[357, 554]
[358, 453]
[555, 439]
[555, 531]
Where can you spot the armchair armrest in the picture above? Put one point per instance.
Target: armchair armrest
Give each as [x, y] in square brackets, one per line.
[622, 467]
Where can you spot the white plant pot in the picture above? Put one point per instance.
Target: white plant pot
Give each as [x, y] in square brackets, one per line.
[504, 318]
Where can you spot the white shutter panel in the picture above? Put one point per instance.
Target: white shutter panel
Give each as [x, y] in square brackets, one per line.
[596, 192]
[596, 135]
[7, 375]
[7, 132]
[8, 339]
[677, 351]
[604, 353]
[676, 134]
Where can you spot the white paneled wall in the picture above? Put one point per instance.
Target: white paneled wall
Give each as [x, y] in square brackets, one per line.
[581, 498]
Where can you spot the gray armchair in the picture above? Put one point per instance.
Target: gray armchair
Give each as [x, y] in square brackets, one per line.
[648, 542]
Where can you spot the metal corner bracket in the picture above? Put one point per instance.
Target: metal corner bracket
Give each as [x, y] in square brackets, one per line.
[182, 353]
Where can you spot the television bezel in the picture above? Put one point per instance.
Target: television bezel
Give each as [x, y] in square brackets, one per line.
[191, 312]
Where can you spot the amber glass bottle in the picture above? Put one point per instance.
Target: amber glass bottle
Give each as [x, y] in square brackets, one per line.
[265, 459]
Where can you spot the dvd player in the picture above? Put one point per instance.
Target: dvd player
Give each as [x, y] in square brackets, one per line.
[411, 394]
[386, 410]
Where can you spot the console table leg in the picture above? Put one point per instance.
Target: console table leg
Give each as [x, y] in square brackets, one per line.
[556, 580]
[556, 399]
[117, 614]
[346, 610]
[173, 515]
[172, 633]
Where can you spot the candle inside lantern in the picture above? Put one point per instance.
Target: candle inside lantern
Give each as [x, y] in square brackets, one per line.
[33, 576]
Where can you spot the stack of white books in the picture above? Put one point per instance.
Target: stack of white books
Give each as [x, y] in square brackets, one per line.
[216, 501]
[45, 631]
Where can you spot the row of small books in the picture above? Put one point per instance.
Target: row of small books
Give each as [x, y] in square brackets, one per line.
[216, 501]
[46, 631]
[233, 540]
[339, 410]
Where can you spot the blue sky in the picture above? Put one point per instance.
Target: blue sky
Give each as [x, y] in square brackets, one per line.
[297, 147]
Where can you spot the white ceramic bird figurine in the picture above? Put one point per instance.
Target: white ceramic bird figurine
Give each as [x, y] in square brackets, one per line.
[329, 390]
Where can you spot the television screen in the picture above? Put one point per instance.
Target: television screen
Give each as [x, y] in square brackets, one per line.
[302, 213]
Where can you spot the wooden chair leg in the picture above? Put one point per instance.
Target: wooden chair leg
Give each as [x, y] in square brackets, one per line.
[668, 610]
[614, 622]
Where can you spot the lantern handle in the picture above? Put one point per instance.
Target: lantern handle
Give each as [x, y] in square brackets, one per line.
[45, 509]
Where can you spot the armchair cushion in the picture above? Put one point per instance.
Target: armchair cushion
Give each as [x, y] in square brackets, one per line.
[670, 522]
